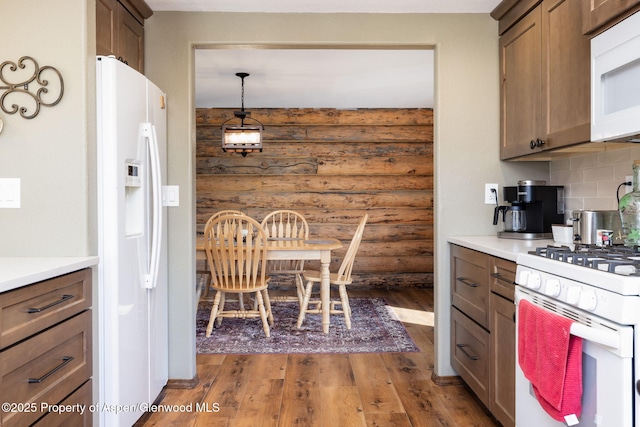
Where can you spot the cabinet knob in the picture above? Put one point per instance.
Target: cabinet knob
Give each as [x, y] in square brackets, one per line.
[539, 142]
[532, 144]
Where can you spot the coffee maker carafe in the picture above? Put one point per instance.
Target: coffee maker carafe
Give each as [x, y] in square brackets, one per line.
[514, 217]
[533, 208]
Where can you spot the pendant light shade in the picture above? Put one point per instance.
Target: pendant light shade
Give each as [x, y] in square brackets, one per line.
[241, 137]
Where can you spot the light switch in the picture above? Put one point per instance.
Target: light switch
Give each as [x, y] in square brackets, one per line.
[170, 195]
[9, 192]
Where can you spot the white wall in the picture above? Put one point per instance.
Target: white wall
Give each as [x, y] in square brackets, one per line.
[591, 180]
[466, 127]
[51, 152]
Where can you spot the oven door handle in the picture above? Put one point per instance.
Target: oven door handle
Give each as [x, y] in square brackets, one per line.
[610, 339]
[599, 336]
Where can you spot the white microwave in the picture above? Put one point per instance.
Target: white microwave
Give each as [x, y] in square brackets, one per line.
[615, 82]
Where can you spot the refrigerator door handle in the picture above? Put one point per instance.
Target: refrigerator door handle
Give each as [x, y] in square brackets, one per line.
[150, 279]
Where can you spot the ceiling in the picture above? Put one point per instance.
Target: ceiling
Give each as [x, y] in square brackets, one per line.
[314, 78]
[317, 77]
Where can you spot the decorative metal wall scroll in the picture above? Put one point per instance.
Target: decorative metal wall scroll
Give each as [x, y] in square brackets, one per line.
[20, 90]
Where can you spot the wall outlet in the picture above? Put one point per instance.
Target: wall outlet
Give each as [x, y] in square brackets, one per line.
[491, 197]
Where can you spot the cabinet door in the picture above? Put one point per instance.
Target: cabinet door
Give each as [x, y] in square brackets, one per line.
[596, 14]
[131, 40]
[566, 76]
[521, 86]
[503, 358]
[106, 27]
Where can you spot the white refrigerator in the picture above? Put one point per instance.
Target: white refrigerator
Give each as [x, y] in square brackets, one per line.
[132, 230]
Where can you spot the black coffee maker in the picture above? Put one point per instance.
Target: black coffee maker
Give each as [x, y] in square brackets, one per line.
[534, 207]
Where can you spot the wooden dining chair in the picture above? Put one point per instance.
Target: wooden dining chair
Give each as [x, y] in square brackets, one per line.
[287, 224]
[223, 212]
[206, 272]
[341, 279]
[236, 248]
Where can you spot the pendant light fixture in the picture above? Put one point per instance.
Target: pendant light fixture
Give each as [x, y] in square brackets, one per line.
[243, 138]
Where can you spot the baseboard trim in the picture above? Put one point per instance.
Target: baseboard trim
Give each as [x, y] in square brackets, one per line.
[443, 381]
[192, 383]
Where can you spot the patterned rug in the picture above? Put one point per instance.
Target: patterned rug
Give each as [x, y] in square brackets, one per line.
[374, 329]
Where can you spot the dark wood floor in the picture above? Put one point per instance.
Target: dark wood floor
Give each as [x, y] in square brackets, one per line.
[383, 389]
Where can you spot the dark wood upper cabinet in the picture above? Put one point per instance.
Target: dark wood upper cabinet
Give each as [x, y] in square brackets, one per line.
[120, 30]
[545, 77]
[521, 86]
[598, 15]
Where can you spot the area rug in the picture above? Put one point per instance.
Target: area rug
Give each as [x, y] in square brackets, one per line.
[373, 330]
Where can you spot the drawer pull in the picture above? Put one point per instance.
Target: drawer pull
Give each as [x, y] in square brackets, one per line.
[65, 360]
[53, 304]
[470, 356]
[467, 282]
[499, 277]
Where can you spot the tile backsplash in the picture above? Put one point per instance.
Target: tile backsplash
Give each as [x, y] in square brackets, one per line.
[591, 180]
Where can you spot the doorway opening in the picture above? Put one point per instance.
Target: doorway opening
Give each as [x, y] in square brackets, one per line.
[347, 131]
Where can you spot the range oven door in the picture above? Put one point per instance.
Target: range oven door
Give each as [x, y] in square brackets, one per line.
[607, 370]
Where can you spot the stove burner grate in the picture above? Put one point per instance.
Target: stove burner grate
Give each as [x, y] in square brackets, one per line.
[615, 259]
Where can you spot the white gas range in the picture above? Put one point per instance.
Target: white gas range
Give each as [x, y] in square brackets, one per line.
[599, 289]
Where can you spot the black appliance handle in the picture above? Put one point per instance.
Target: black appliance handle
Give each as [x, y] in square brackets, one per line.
[496, 213]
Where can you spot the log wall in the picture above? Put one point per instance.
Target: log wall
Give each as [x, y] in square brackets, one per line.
[333, 166]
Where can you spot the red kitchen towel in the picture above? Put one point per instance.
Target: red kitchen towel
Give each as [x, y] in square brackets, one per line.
[551, 359]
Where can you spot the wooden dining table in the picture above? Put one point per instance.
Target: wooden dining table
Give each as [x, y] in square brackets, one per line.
[300, 249]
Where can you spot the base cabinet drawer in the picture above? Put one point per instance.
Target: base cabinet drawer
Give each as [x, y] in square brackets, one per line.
[470, 353]
[503, 277]
[45, 369]
[470, 287]
[31, 309]
[74, 411]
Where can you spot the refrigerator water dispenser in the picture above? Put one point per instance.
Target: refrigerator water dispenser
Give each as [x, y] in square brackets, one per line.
[134, 199]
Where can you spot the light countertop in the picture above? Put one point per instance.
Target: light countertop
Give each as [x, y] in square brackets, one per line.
[501, 248]
[16, 272]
